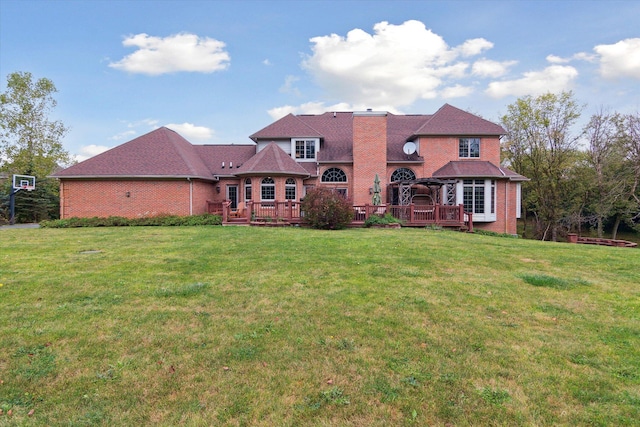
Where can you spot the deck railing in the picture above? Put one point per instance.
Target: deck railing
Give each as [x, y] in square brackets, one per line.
[274, 211]
[290, 211]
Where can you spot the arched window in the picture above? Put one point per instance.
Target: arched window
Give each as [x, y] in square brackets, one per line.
[402, 174]
[290, 189]
[334, 175]
[268, 189]
[247, 189]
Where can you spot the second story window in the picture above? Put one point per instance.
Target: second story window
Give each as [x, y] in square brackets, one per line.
[469, 147]
[305, 149]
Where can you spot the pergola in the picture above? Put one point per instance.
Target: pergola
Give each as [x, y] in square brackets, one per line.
[404, 188]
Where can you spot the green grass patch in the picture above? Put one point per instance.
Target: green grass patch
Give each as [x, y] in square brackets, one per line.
[553, 282]
[359, 327]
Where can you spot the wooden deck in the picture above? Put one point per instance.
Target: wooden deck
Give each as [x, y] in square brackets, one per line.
[289, 213]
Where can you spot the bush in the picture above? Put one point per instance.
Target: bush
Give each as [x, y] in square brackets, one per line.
[326, 209]
[117, 221]
[381, 220]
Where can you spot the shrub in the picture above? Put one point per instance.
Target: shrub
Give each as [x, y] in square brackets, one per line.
[326, 209]
[381, 220]
[117, 221]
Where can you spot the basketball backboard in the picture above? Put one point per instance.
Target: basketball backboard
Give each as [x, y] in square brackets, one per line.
[24, 182]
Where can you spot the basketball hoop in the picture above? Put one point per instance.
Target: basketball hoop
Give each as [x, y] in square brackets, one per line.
[27, 188]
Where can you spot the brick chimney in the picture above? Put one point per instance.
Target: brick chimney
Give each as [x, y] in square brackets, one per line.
[369, 154]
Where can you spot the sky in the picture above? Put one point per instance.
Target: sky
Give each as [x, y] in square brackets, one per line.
[219, 71]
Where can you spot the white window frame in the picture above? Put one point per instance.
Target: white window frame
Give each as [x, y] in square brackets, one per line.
[490, 208]
[468, 142]
[264, 185]
[306, 141]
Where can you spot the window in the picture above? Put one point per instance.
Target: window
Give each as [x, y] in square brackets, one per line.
[342, 192]
[334, 175]
[290, 189]
[403, 174]
[479, 198]
[473, 195]
[247, 189]
[268, 189]
[469, 147]
[305, 149]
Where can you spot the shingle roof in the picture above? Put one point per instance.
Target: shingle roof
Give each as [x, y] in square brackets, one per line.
[476, 169]
[233, 157]
[160, 153]
[336, 131]
[271, 160]
[449, 120]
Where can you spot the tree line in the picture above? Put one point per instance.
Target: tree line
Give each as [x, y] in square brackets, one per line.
[578, 179]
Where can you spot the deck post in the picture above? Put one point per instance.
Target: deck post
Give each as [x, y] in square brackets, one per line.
[411, 212]
[225, 211]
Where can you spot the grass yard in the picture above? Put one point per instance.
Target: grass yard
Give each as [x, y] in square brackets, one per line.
[289, 327]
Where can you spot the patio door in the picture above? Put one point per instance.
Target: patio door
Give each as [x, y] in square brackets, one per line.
[232, 195]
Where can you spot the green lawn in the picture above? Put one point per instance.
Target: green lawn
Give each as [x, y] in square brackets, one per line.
[289, 327]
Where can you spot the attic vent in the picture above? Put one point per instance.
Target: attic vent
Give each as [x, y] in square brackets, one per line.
[222, 165]
[230, 165]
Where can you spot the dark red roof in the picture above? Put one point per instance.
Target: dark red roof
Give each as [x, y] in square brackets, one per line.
[160, 153]
[271, 160]
[449, 120]
[476, 169]
[335, 131]
[233, 156]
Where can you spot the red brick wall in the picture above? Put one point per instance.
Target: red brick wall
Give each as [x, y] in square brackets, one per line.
[369, 155]
[438, 151]
[133, 198]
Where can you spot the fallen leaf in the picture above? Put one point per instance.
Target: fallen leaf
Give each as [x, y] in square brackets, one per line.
[172, 369]
[264, 364]
[423, 345]
[226, 368]
[329, 381]
[31, 412]
[10, 412]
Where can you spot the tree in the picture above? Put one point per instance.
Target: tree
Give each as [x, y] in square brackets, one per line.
[629, 134]
[541, 146]
[604, 160]
[30, 142]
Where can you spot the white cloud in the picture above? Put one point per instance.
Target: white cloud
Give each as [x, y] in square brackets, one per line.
[490, 68]
[621, 59]
[266, 62]
[457, 91]
[179, 52]
[394, 66]
[474, 47]
[554, 78]
[190, 131]
[89, 151]
[555, 59]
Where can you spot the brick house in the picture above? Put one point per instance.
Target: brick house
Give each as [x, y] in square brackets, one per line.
[430, 168]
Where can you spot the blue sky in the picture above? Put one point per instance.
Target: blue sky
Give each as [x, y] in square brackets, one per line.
[218, 71]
